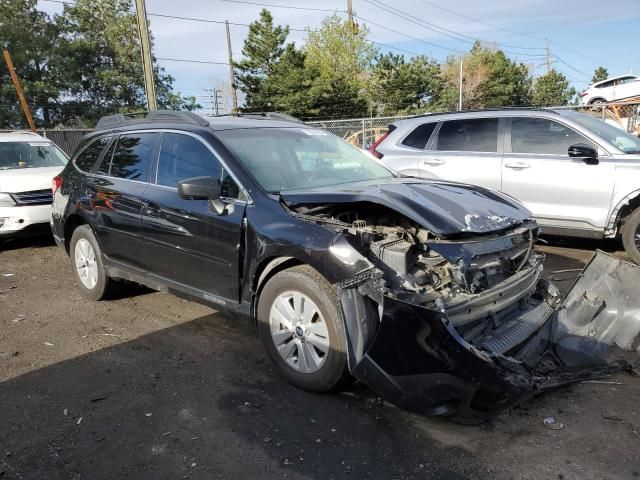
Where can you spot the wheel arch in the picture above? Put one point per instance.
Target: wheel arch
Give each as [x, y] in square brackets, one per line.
[72, 222]
[264, 271]
[622, 210]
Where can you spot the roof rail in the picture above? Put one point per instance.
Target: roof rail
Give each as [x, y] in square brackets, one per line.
[265, 116]
[488, 109]
[157, 116]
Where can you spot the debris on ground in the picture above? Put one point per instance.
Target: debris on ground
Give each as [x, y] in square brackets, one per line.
[552, 423]
[79, 421]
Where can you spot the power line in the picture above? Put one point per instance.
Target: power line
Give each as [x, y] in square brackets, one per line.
[191, 61]
[312, 9]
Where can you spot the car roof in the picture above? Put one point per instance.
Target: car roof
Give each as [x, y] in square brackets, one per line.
[22, 136]
[482, 113]
[613, 78]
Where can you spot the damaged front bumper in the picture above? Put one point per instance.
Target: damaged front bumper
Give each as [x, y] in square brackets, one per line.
[416, 357]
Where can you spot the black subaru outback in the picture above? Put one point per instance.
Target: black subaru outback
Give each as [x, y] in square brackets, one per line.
[430, 292]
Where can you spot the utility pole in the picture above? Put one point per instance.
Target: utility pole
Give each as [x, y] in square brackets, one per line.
[145, 48]
[460, 91]
[350, 14]
[216, 112]
[548, 58]
[232, 76]
[19, 91]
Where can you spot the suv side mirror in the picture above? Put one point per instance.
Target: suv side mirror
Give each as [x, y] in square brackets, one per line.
[199, 188]
[586, 152]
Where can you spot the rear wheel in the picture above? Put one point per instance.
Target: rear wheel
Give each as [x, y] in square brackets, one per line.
[301, 327]
[631, 236]
[88, 269]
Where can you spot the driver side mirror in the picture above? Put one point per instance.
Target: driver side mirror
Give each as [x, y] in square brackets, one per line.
[199, 188]
[587, 153]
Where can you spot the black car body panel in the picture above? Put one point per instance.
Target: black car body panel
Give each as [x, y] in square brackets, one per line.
[441, 291]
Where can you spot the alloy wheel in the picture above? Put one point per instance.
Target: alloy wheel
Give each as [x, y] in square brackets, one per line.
[86, 264]
[299, 331]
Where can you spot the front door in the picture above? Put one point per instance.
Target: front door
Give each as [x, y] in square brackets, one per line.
[465, 150]
[559, 190]
[186, 241]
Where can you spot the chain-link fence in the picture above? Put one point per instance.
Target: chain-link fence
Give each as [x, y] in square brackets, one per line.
[363, 132]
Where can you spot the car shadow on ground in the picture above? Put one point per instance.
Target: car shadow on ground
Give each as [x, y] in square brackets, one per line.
[171, 403]
[34, 240]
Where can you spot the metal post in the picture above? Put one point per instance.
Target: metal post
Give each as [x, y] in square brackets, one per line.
[215, 102]
[232, 77]
[145, 49]
[19, 91]
[363, 129]
[460, 92]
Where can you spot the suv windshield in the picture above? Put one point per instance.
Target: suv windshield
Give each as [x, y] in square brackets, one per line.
[621, 139]
[297, 158]
[30, 155]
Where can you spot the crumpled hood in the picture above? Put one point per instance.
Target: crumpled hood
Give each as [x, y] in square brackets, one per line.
[27, 179]
[445, 208]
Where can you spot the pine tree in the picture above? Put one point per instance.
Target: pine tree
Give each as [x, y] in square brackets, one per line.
[600, 74]
[552, 89]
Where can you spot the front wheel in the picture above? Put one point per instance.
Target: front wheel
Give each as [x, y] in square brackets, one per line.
[300, 324]
[631, 236]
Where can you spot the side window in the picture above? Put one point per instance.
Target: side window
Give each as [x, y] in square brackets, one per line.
[469, 135]
[182, 156]
[606, 84]
[88, 157]
[419, 137]
[542, 136]
[133, 156]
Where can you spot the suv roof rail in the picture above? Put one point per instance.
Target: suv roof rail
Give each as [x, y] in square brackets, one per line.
[265, 116]
[488, 109]
[157, 116]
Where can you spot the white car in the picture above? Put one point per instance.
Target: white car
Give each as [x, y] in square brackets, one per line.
[28, 163]
[611, 89]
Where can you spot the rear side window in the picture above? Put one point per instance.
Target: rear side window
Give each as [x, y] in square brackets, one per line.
[420, 136]
[542, 136]
[183, 156]
[133, 156]
[88, 157]
[469, 135]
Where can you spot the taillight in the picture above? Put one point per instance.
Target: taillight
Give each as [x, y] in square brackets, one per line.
[375, 145]
[582, 94]
[56, 183]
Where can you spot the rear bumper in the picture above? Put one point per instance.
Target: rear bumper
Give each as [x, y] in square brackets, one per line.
[15, 219]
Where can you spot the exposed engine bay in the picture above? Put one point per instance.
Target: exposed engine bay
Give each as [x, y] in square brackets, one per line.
[456, 274]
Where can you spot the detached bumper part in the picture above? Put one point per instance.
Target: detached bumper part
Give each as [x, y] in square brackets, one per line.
[415, 357]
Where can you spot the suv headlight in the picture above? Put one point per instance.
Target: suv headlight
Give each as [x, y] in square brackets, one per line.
[6, 200]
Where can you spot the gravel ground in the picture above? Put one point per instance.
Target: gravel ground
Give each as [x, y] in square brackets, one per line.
[149, 386]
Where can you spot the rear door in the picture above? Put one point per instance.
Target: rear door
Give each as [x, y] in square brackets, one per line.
[186, 241]
[465, 150]
[559, 190]
[116, 194]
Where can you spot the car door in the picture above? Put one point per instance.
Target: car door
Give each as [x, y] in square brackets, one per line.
[186, 241]
[626, 87]
[559, 190]
[465, 150]
[115, 194]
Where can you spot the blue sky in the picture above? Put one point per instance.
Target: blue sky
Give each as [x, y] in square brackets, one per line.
[583, 33]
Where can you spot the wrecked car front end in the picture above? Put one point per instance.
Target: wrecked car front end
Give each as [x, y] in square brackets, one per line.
[455, 319]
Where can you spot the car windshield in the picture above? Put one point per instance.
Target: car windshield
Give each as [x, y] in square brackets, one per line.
[282, 159]
[621, 139]
[30, 155]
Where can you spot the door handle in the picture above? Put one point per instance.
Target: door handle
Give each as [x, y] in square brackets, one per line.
[517, 165]
[433, 161]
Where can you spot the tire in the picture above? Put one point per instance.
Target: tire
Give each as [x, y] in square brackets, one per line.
[597, 101]
[631, 236]
[84, 248]
[314, 304]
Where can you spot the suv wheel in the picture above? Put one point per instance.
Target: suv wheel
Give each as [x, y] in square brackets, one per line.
[86, 259]
[301, 327]
[631, 236]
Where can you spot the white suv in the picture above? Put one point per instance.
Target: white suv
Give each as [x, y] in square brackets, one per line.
[578, 175]
[611, 89]
[28, 163]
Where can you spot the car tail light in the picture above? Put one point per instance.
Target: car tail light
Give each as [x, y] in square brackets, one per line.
[56, 183]
[373, 147]
[582, 94]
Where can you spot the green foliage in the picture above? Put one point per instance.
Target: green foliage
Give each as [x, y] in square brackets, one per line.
[552, 89]
[600, 74]
[79, 65]
[402, 86]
